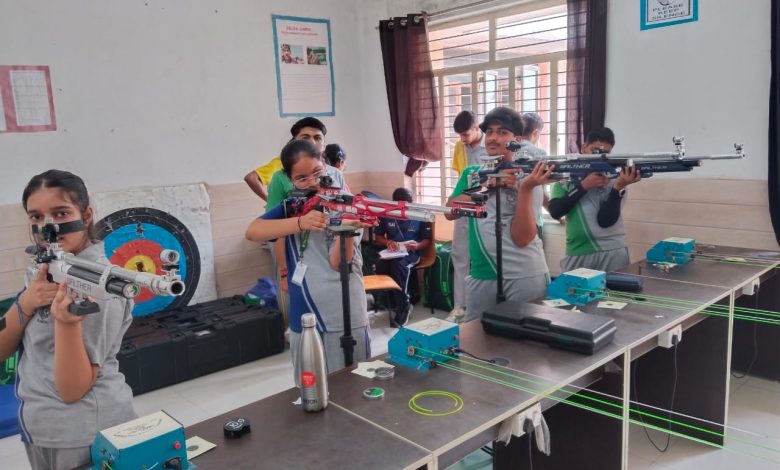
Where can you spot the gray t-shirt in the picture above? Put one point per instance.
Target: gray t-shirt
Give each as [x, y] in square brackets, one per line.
[518, 262]
[603, 239]
[320, 291]
[45, 419]
[474, 154]
[533, 151]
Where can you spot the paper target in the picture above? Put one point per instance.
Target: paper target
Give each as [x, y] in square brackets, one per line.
[133, 239]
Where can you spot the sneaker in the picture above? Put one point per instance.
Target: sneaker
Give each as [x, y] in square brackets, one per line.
[402, 317]
[456, 315]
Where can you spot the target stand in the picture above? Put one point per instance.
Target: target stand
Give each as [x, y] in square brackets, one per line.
[134, 238]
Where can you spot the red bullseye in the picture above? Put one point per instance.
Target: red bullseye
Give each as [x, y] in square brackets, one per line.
[139, 255]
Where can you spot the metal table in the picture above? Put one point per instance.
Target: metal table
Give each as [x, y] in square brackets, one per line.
[283, 436]
[713, 273]
[358, 433]
[761, 265]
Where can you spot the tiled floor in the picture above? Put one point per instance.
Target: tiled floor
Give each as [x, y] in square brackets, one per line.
[754, 419]
[754, 407]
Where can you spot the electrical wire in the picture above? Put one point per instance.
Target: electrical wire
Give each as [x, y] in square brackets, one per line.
[755, 344]
[671, 406]
[461, 351]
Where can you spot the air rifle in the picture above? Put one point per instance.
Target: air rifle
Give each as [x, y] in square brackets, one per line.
[94, 280]
[342, 206]
[577, 166]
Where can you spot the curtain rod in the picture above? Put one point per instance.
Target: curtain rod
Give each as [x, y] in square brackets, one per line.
[447, 11]
[458, 8]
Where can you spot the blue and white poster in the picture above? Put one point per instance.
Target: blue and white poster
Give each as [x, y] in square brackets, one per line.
[660, 13]
[304, 66]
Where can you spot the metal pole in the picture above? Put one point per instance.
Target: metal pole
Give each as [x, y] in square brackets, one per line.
[500, 297]
[347, 341]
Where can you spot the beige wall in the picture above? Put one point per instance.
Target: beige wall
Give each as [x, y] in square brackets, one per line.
[14, 237]
[380, 182]
[713, 211]
[238, 263]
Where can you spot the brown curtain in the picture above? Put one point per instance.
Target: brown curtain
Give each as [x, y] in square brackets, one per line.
[414, 108]
[774, 123]
[586, 69]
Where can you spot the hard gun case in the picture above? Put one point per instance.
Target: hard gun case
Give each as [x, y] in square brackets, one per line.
[575, 331]
[176, 345]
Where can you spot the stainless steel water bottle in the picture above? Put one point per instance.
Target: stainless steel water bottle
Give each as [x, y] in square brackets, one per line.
[312, 366]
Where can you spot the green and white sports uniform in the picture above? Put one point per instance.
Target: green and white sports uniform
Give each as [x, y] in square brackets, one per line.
[588, 245]
[524, 268]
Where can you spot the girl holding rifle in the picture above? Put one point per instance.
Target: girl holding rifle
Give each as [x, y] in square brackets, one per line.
[313, 255]
[68, 377]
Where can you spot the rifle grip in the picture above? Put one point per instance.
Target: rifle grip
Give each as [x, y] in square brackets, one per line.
[85, 307]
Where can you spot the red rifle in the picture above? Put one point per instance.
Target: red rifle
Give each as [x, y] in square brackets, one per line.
[343, 206]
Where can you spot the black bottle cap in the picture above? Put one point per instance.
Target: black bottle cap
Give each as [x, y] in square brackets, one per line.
[237, 427]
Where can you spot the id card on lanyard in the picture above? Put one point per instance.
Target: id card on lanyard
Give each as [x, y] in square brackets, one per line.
[300, 266]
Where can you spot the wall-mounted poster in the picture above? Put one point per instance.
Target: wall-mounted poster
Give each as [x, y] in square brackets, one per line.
[26, 102]
[304, 66]
[659, 13]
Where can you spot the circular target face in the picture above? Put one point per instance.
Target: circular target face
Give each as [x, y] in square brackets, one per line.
[135, 237]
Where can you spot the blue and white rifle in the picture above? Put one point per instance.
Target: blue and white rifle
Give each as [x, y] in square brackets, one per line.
[577, 166]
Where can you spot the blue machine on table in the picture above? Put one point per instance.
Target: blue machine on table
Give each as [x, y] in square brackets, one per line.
[578, 287]
[153, 441]
[671, 250]
[420, 345]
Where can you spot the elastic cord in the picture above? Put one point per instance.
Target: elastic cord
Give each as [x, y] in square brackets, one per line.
[19, 310]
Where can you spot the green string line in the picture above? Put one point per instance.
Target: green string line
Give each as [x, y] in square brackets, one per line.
[620, 407]
[705, 312]
[606, 413]
[683, 305]
[753, 263]
[745, 310]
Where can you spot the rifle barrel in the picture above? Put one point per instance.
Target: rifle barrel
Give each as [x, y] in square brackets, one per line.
[154, 282]
[637, 157]
[113, 286]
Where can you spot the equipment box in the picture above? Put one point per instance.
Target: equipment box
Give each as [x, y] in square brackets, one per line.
[181, 344]
[153, 360]
[257, 331]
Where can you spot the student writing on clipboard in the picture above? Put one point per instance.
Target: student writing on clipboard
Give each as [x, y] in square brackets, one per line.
[404, 242]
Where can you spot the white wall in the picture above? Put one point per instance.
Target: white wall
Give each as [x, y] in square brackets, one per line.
[151, 92]
[707, 80]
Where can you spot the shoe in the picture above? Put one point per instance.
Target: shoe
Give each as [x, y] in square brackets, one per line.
[456, 315]
[402, 317]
